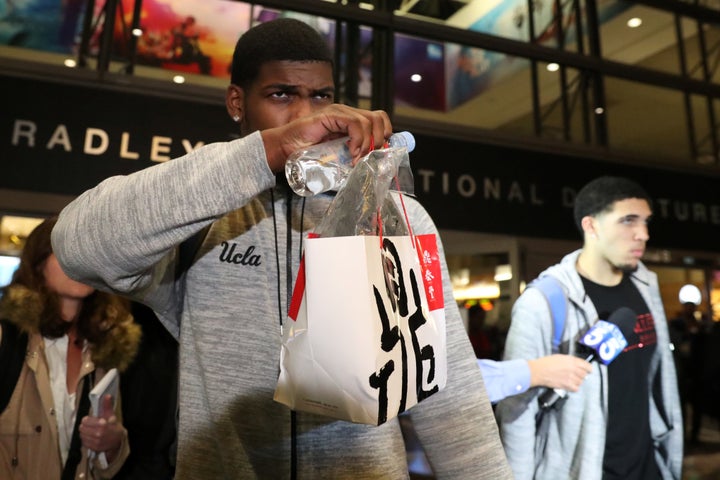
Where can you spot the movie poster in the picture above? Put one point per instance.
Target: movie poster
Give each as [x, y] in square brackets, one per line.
[183, 35]
[197, 37]
[48, 25]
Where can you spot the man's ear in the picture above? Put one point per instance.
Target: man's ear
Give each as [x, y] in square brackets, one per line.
[588, 226]
[234, 102]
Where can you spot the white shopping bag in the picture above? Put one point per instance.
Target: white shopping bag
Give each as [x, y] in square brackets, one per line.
[365, 340]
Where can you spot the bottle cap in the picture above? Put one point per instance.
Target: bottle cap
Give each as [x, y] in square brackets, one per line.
[402, 139]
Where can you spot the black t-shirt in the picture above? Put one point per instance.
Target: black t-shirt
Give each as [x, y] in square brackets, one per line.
[629, 452]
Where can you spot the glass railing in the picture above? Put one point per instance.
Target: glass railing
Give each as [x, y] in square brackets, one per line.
[499, 75]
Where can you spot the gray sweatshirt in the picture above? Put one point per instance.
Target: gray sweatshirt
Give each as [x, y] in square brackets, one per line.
[227, 310]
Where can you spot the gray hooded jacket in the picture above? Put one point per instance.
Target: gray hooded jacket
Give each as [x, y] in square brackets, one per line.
[573, 446]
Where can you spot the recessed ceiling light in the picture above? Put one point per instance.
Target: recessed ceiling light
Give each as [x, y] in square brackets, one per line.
[179, 79]
[599, 110]
[503, 273]
[137, 32]
[634, 22]
[69, 62]
[416, 77]
[689, 293]
[553, 67]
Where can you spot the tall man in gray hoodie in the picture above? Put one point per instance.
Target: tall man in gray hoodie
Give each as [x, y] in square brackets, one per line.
[625, 420]
[124, 236]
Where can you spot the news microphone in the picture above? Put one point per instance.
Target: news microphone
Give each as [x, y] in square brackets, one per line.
[603, 342]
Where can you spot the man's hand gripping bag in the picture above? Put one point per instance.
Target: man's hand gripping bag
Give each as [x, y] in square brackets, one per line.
[365, 340]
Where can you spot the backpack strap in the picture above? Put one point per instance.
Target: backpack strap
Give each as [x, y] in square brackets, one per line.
[557, 300]
[13, 348]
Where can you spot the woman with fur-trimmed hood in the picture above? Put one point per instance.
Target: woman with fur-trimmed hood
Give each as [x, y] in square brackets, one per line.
[74, 335]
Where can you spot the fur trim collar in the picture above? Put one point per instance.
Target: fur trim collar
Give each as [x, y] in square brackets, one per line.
[23, 307]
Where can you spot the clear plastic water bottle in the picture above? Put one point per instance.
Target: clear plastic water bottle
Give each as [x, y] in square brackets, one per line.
[325, 166]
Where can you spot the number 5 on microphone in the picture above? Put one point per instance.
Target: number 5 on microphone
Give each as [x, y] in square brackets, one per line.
[597, 333]
[613, 345]
[606, 339]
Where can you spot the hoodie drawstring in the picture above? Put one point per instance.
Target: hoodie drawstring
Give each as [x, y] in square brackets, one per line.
[288, 295]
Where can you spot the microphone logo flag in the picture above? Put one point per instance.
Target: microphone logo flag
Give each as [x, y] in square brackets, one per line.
[606, 340]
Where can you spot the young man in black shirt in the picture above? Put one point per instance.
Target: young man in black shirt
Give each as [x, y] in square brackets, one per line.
[625, 420]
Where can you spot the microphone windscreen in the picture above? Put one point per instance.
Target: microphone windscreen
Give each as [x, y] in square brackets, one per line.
[625, 318]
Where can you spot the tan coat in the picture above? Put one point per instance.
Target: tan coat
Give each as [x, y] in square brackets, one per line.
[28, 427]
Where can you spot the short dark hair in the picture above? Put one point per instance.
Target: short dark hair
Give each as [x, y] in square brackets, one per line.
[276, 40]
[600, 194]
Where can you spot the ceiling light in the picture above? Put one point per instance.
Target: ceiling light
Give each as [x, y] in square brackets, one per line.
[690, 294]
[553, 67]
[476, 290]
[599, 110]
[20, 226]
[179, 79]
[69, 62]
[503, 273]
[460, 277]
[634, 22]
[416, 77]
[137, 32]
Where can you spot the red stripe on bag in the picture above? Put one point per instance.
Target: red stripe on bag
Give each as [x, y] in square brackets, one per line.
[298, 291]
[299, 288]
[427, 251]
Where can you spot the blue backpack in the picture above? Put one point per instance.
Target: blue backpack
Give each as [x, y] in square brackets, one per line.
[557, 301]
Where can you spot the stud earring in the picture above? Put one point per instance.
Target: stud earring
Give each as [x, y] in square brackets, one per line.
[236, 118]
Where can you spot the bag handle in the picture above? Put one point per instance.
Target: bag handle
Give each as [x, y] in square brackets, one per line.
[402, 205]
[407, 222]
